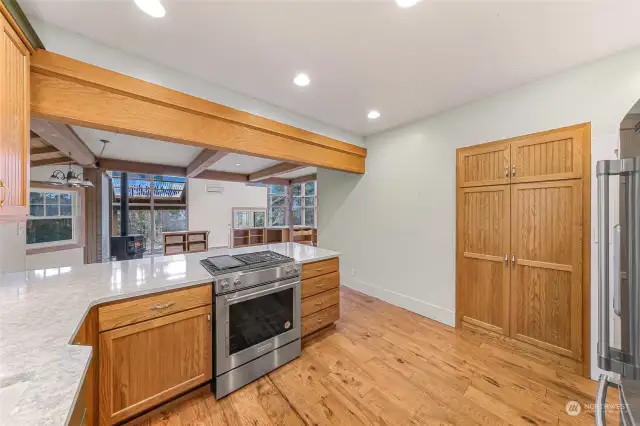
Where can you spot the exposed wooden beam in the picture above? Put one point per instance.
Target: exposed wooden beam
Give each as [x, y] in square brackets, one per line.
[137, 167]
[44, 150]
[274, 181]
[50, 161]
[226, 176]
[274, 170]
[70, 91]
[301, 179]
[203, 161]
[65, 140]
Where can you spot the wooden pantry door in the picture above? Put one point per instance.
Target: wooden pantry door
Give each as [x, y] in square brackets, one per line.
[483, 245]
[546, 277]
[482, 165]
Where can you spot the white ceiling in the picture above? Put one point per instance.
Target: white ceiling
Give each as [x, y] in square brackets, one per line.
[406, 63]
[247, 164]
[144, 150]
[133, 148]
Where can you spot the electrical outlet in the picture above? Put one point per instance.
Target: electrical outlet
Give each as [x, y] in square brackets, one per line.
[22, 226]
[353, 272]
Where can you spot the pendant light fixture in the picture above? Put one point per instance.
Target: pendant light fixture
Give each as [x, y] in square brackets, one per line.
[59, 178]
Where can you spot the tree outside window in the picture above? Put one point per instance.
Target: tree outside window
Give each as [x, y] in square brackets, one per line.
[304, 205]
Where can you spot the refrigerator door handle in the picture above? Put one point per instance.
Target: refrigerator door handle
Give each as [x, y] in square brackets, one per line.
[617, 306]
[601, 399]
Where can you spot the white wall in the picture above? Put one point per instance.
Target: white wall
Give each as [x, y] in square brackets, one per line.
[79, 47]
[212, 211]
[55, 259]
[396, 224]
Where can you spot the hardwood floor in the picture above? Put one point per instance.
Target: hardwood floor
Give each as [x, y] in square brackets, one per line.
[384, 365]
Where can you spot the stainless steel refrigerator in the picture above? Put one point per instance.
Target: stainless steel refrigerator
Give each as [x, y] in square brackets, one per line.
[619, 287]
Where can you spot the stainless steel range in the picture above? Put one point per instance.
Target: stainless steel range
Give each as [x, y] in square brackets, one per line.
[257, 312]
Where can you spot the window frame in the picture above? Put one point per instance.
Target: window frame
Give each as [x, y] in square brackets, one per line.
[303, 205]
[77, 219]
[285, 207]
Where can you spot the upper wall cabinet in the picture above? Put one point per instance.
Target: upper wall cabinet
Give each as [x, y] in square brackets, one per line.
[548, 156]
[484, 165]
[14, 123]
[552, 155]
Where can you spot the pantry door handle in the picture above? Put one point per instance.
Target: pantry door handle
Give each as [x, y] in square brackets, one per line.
[506, 259]
[513, 171]
[513, 259]
[506, 172]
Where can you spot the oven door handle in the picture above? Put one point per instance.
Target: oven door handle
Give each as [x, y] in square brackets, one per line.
[238, 299]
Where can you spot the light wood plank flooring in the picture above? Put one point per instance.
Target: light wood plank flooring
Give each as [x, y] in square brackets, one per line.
[384, 365]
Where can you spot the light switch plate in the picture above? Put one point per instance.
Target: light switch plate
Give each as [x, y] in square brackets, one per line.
[22, 226]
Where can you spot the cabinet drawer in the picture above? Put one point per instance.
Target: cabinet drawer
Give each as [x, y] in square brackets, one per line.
[196, 246]
[320, 301]
[320, 319]
[134, 311]
[173, 239]
[319, 284]
[314, 269]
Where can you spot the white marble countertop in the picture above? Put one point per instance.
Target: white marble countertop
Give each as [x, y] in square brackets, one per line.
[40, 312]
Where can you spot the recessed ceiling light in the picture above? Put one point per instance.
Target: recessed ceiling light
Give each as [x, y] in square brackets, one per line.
[373, 114]
[302, 80]
[151, 7]
[406, 3]
[237, 164]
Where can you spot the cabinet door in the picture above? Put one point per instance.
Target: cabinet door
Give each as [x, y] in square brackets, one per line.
[14, 123]
[483, 244]
[546, 277]
[483, 165]
[552, 155]
[145, 364]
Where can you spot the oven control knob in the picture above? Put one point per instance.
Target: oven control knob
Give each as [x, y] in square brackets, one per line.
[225, 284]
[288, 269]
[237, 282]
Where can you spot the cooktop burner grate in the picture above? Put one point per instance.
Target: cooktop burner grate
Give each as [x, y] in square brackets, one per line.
[224, 264]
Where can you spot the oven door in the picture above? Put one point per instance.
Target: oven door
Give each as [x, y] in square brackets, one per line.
[253, 322]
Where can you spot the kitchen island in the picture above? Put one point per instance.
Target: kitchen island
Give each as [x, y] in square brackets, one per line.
[42, 314]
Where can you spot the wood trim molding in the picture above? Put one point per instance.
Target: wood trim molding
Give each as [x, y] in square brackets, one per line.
[65, 140]
[302, 179]
[44, 150]
[50, 161]
[275, 170]
[73, 92]
[49, 249]
[203, 161]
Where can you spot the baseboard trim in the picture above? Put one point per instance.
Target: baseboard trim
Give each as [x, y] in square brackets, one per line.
[419, 307]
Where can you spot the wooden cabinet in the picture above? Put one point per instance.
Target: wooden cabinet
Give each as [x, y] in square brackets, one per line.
[551, 155]
[483, 266]
[320, 295]
[484, 165]
[145, 364]
[184, 242]
[520, 255]
[546, 277]
[14, 123]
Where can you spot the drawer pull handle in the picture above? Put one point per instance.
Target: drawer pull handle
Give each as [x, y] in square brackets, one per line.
[321, 284]
[160, 307]
[319, 303]
[318, 321]
[319, 269]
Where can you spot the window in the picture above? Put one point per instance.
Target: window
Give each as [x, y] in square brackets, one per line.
[277, 205]
[248, 218]
[53, 217]
[304, 204]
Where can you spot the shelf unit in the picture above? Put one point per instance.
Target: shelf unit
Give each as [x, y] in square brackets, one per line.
[308, 236]
[185, 242]
[246, 237]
